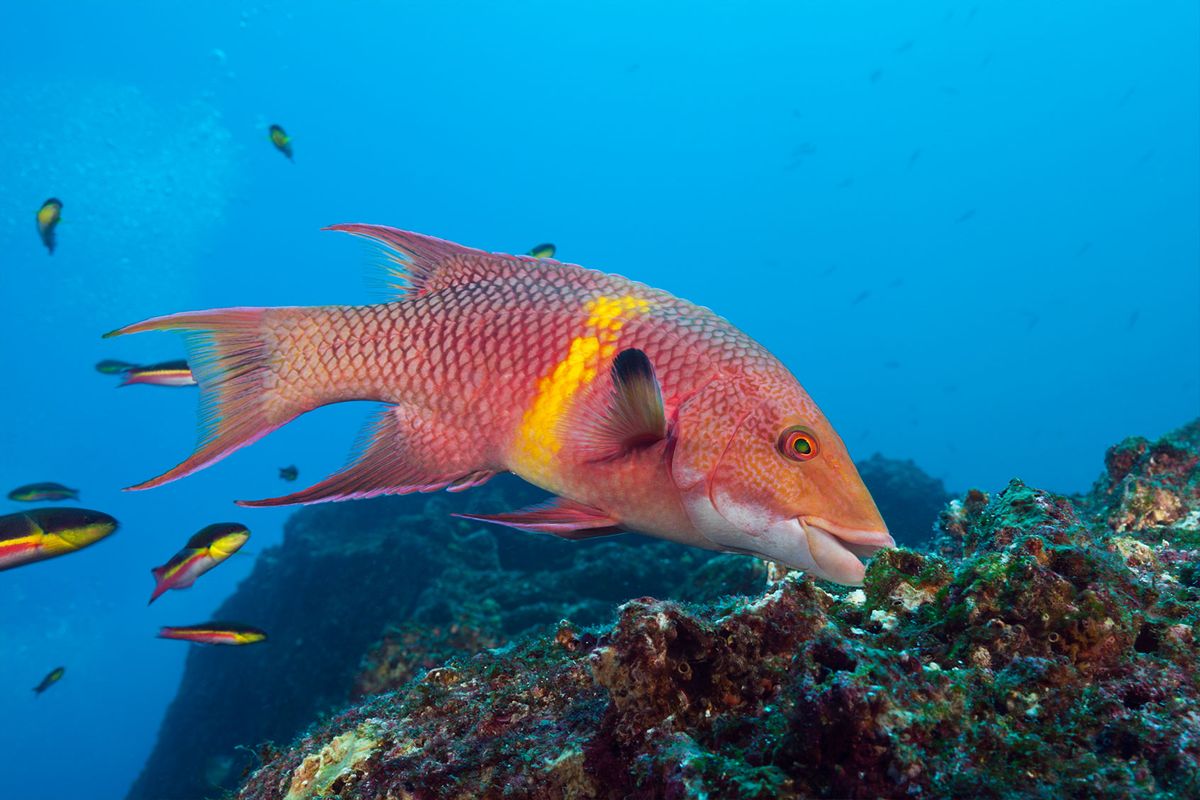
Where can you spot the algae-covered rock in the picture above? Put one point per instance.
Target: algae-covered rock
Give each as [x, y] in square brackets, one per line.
[1044, 647]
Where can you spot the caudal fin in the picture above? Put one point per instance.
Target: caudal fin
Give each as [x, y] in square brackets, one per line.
[240, 398]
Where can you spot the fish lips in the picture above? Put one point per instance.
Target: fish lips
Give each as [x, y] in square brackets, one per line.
[837, 552]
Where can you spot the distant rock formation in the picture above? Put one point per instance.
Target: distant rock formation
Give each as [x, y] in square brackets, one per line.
[1048, 649]
[362, 597]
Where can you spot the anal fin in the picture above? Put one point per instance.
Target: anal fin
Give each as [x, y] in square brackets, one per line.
[561, 517]
[396, 454]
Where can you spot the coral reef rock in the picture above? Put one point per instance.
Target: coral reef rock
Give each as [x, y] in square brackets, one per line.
[1044, 646]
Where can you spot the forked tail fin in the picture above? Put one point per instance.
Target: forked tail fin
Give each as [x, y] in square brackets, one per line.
[234, 355]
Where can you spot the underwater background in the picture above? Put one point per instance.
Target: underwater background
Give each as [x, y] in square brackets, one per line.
[969, 228]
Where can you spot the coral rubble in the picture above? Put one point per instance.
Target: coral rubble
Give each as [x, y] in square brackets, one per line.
[1044, 647]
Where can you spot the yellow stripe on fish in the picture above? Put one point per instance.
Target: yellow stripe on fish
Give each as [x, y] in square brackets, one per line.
[537, 441]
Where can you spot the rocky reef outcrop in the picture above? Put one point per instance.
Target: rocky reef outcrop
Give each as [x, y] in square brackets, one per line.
[1044, 646]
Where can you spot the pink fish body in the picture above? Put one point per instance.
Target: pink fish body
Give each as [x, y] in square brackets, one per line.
[641, 411]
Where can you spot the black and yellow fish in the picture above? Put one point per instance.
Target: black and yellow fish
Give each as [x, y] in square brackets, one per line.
[546, 250]
[53, 677]
[282, 142]
[46, 491]
[110, 366]
[49, 532]
[48, 217]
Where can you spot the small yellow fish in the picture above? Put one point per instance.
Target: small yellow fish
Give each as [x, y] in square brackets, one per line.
[48, 532]
[53, 677]
[46, 492]
[546, 250]
[168, 373]
[282, 142]
[205, 550]
[48, 217]
[214, 633]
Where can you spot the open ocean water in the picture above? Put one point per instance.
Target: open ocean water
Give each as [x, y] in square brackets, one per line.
[969, 228]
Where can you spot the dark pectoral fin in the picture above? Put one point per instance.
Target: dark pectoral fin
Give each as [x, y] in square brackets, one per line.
[633, 416]
[561, 517]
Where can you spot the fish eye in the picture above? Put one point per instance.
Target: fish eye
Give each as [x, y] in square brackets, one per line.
[798, 443]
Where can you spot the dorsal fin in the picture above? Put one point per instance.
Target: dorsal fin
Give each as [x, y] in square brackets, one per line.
[417, 264]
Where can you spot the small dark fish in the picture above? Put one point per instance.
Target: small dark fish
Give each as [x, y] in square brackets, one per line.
[1031, 319]
[232, 633]
[905, 47]
[950, 91]
[53, 677]
[896, 283]
[546, 250]
[876, 74]
[48, 217]
[48, 532]
[205, 550]
[891, 364]
[289, 473]
[46, 492]
[1146, 156]
[829, 270]
[966, 215]
[1083, 248]
[801, 152]
[282, 142]
[846, 183]
[914, 157]
[863, 295]
[113, 367]
[168, 373]
[1133, 318]
[1125, 98]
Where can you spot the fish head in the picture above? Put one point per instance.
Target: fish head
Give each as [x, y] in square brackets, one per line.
[65, 530]
[775, 480]
[228, 544]
[221, 539]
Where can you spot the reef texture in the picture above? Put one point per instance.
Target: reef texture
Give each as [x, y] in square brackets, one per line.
[401, 581]
[1045, 647]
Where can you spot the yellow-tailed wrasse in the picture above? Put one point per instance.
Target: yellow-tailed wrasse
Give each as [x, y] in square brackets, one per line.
[46, 492]
[168, 373]
[48, 532]
[209, 547]
[53, 677]
[546, 250]
[48, 217]
[282, 142]
[110, 366]
[214, 633]
[641, 411]
[289, 473]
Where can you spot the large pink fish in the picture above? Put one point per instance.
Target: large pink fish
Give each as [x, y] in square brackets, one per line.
[641, 411]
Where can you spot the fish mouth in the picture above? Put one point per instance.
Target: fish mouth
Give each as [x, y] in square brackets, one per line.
[838, 551]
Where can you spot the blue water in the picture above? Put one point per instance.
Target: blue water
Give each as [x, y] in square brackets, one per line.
[970, 228]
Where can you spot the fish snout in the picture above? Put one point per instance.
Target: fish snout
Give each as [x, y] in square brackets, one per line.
[838, 551]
